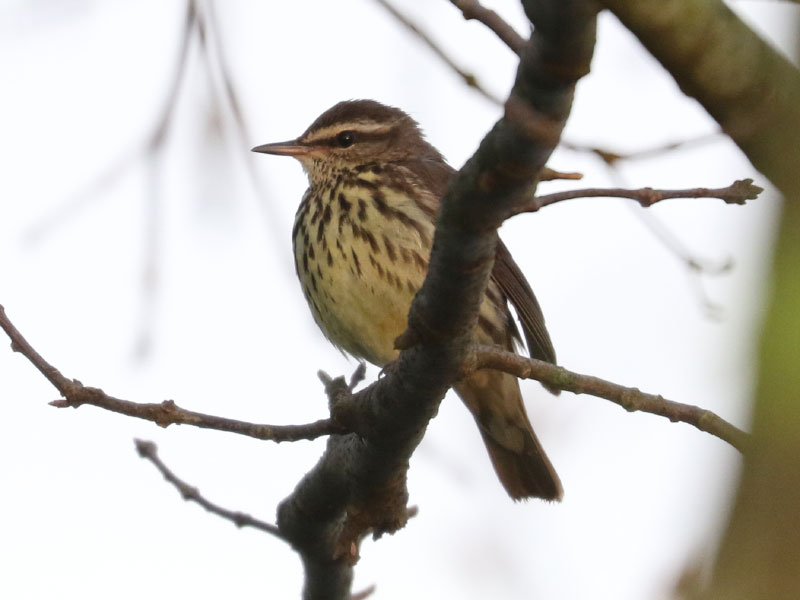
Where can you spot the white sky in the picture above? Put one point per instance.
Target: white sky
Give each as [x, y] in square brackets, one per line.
[82, 516]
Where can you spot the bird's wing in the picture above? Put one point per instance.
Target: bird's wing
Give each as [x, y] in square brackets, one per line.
[513, 284]
[436, 176]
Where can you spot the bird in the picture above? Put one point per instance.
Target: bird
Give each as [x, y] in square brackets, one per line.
[362, 238]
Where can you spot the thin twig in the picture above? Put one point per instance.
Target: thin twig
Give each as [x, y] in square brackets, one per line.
[469, 78]
[211, 45]
[358, 375]
[148, 149]
[149, 451]
[165, 413]
[150, 144]
[549, 174]
[751, 93]
[472, 9]
[737, 193]
[697, 266]
[611, 158]
[631, 399]
[21, 345]
[365, 593]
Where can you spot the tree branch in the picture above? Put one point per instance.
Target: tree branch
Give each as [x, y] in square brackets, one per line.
[149, 451]
[345, 415]
[750, 89]
[359, 482]
[165, 413]
[472, 9]
[737, 193]
[469, 78]
[631, 399]
[150, 144]
[611, 158]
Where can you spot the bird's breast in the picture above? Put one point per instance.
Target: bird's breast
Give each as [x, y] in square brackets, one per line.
[361, 252]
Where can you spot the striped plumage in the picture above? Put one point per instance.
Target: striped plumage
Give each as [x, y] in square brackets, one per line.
[362, 238]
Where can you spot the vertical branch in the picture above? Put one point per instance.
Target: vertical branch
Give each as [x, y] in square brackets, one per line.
[760, 552]
[359, 482]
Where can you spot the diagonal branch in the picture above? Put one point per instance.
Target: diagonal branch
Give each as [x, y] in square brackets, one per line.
[469, 78]
[345, 413]
[631, 399]
[149, 451]
[165, 413]
[472, 9]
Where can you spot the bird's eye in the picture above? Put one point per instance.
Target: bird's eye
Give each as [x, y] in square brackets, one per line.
[345, 139]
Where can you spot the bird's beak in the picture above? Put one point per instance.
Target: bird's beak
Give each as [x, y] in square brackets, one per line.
[290, 148]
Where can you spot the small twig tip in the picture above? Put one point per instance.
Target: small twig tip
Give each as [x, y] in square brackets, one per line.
[358, 375]
[324, 378]
[145, 448]
[365, 593]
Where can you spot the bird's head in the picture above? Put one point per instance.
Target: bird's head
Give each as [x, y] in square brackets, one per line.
[352, 134]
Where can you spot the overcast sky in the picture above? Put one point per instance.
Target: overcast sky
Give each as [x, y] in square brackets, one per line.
[172, 277]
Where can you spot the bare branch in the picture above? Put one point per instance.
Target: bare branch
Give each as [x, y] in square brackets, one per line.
[168, 413]
[21, 345]
[469, 78]
[737, 193]
[472, 9]
[631, 399]
[149, 451]
[611, 158]
[746, 85]
[697, 265]
[151, 143]
[359, 482]
[165, 413]
[211, 45]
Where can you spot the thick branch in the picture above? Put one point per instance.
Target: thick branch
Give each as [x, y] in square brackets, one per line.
[631, 399]
[750, 89]
[149, 451]
[360, 480]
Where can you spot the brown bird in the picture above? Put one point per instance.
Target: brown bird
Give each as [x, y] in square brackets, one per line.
[362, 238]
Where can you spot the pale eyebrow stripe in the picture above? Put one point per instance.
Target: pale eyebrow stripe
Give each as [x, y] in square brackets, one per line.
[365, 127]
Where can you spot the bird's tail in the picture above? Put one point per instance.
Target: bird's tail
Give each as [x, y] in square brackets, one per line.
[523, 468]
